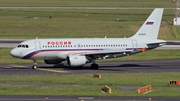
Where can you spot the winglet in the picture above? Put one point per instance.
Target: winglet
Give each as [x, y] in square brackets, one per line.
[151, 26]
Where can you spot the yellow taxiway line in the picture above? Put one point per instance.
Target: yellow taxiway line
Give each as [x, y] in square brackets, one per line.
[43, 69]
[20, 67]
[52, 70]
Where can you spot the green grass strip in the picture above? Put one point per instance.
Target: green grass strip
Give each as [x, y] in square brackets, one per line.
[175, 31]
[82, 91]
[86, 85]
[124, 79]
[84, 3]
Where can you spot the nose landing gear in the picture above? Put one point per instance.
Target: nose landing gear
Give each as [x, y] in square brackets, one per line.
[34, 65]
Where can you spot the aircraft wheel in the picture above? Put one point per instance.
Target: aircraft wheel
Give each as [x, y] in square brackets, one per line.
[94, 66]
[79, 67]
[34, 67]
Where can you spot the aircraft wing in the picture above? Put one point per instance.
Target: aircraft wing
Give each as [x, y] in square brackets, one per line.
[107, 52]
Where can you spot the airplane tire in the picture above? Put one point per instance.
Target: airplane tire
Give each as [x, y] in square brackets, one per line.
[94, 66]
[34, 67]
[79, 67]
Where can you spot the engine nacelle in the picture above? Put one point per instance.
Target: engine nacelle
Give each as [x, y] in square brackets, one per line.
[52, 61]
[76, 60]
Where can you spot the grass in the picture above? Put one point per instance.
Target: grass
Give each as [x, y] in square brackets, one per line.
[98, 3]
[175, 30]
[86, 85]
[70, 23]
[129, 79]
[65, 23]
[82, 91]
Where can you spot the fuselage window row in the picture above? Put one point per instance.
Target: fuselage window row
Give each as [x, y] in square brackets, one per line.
[122, 45]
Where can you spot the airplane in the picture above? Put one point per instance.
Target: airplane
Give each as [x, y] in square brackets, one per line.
[80, 51]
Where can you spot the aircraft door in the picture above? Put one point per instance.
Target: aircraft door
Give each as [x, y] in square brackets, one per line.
[37, 46]
[134, 44]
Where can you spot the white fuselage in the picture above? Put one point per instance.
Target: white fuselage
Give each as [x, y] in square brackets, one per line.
[61, 48]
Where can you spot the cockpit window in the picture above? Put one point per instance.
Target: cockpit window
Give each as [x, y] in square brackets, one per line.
[19, 46]
[27, 46]
[23, 46]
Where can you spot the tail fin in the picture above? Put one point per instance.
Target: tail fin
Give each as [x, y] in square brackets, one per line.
[151, 26]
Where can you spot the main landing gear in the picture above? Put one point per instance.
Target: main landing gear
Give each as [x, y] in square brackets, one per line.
[94, 66]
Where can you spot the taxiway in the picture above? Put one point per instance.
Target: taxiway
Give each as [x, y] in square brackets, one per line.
[108, 67]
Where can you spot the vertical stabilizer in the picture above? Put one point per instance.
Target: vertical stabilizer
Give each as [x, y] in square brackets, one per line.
[151, 26]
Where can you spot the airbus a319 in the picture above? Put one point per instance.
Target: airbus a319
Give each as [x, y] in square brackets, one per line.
[79, 51]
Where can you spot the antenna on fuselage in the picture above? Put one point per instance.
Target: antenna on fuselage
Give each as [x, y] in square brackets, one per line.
[105, 37]
[36, 37]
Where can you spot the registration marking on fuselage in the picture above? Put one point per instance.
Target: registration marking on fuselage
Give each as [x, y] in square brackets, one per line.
[53, 70]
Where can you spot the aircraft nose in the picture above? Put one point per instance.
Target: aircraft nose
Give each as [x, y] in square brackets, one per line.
[15, 53]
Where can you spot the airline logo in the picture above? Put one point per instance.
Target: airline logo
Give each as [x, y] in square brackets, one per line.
[149, 23]
[59, 43]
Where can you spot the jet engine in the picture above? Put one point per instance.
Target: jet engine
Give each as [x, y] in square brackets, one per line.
[52, 61]
[76, 60]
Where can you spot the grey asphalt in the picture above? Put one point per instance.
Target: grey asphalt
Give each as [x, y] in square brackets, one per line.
[108, 67]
